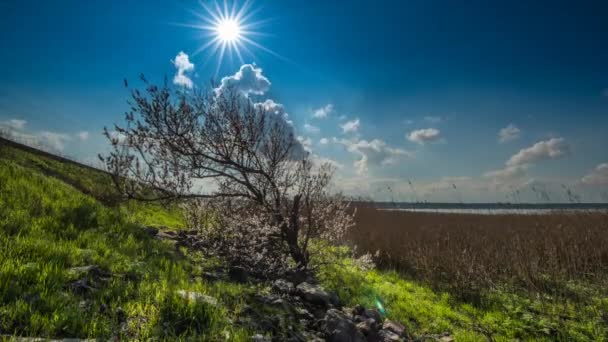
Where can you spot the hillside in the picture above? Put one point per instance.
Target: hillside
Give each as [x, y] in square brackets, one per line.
[74, 265]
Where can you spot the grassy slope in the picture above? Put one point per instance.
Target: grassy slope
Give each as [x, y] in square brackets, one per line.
[50, 222]
[47, 227]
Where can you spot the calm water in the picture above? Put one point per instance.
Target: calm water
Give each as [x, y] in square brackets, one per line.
[496, 208]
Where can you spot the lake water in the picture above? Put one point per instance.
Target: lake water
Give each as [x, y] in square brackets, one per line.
[496, 208]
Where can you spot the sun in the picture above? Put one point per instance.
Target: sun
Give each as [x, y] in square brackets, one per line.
[228, 30]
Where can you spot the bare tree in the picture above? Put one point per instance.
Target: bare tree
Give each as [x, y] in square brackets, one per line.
[176, 141]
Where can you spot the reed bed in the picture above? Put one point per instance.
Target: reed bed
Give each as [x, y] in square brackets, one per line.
[469, 252]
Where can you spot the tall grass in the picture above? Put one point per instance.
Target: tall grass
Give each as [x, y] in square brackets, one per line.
[469, 252]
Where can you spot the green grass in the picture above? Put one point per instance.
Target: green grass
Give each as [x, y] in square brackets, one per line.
[48, 227]
[502, 314]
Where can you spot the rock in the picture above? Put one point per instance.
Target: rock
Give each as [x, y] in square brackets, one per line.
[395, 327]
[358, 310]
[303, 313]
[238, 274]
[197, 297]
[81, 286]
[313, 294]
[388, 336]
[283, 286]
[366, 327]
[151, 231]
[334, 300]
[374, 314]
[446, 338]
[260, 338]
[339, 328]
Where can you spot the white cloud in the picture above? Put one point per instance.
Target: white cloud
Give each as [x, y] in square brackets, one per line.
[55, 141]
[13, 124]
[375, 152]
[248, 80]
[350, 126]
[323, 112]
[423, 136]
[342, 117]
[547, 149]
[83, 135]
[306, 143]
[433, 119]
[323, 141]
[599, 176]
[275, 108]
[182, 64]
[507, 173]
[509, 133]
[311, 129]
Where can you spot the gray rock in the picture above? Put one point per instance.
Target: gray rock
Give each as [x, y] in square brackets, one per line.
[373, 313]
[313, 294]
[395, 327]
[260, 338]
[334, 300]
[197, 297]
[388, 336]
[340, 329]
[283, 286]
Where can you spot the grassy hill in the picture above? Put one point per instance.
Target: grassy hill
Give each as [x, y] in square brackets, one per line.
[71, 265]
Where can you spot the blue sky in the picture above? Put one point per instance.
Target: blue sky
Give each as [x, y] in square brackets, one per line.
[427, 86]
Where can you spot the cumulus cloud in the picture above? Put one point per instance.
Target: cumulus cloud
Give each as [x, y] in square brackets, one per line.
[323, 141]
[372, 153]
[55, 141]
[183, 65]
[350, 126]
[425, 135]
[507, 173]
[83, 135]
[306, 143]
[311, 129]
[516, 166]
[323, 112]
[248, 80]
[599, 176]
[546, 149]
[13, 124]
[509, 133]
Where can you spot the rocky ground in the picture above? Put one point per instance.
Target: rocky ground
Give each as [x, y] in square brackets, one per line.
[298, 303]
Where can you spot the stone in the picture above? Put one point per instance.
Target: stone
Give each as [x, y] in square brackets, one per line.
[283, 286]
[358, 310]
[339, 328]
[388, 336]
[81, 286]
[260, 338]
[313, 294]
[197, 297]
[395, 327]
[446, 338]
[373, 313]
[151, 231]
[238, 274]
[334, 300]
